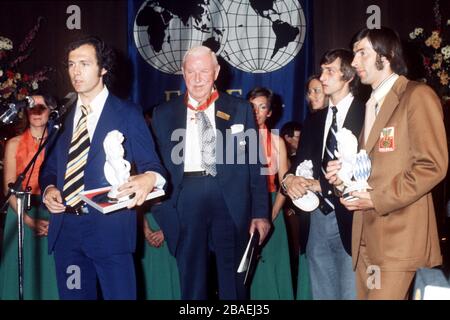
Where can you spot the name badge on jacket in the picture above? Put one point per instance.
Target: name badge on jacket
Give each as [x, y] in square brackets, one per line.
[387, 140]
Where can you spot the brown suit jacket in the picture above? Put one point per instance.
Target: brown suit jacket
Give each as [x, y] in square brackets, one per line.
[400, 233]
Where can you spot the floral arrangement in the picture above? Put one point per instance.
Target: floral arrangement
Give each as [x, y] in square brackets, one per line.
[15, 85]
[435, 51]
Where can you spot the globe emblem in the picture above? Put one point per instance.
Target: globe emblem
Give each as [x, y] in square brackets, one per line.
[165, 30]
[263, 36]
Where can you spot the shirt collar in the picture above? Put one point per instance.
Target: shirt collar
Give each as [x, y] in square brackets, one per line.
[344, 103]
[96, 105]
[194, 102]
[384, 87]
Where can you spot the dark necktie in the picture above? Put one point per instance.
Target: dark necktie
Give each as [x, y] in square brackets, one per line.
[325, 204]
[78, 153]
[331, 142]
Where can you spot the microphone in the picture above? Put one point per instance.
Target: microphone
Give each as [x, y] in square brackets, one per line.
[63, 106]
[9, 115]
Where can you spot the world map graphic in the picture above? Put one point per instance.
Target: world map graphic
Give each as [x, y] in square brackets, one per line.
[251, 35]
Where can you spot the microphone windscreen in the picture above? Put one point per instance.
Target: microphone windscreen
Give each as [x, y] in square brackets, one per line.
[70, 98]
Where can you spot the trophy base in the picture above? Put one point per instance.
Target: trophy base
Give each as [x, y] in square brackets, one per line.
[309, 202]
[358, 186]
[348, 197]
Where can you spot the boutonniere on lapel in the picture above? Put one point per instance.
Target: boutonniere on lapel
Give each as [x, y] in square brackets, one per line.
[222, 115]
[387, 140]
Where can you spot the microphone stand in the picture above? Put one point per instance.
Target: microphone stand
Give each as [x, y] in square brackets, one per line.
[23, 197]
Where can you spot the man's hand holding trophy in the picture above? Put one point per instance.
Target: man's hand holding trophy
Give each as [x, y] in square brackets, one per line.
[354, 167]
[309, 201]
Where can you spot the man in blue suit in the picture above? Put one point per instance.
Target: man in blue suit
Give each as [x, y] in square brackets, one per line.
[217, 193]
[88, 245]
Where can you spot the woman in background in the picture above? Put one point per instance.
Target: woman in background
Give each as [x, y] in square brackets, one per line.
[159, 270]
[161, 280]
[272, 279]
[39, 271]
[314, 94]
[317, 100]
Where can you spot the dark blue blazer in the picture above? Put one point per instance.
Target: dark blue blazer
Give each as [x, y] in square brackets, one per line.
[238, 164]
[310, 148]
[116, 232]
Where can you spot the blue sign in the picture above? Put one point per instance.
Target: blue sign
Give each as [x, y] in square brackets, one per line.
[258, 43]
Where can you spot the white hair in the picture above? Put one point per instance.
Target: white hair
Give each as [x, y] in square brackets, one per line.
[199, 51]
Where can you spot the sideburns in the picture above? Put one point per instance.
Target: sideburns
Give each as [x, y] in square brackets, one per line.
[379, 63]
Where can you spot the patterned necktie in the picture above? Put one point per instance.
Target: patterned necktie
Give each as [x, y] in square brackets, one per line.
[331, 142]
[78, 153]
[207, 140]
[371, 106]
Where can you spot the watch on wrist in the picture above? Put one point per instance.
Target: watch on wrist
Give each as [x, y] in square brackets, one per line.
[283, 183]
[339, 190]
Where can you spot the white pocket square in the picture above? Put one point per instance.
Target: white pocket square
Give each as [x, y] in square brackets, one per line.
[236, 128]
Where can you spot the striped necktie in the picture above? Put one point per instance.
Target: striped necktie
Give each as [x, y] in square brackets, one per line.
[207, 143]
[331, 142]
[325, 205]
[78, 153]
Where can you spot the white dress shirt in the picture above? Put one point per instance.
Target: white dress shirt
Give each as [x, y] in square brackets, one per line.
[380, 92]
[342, 109]
[193, 156]
[96, 108]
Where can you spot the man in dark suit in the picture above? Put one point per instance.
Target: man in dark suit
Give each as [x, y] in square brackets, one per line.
[328, 243]
[88, 245]
[209, 144]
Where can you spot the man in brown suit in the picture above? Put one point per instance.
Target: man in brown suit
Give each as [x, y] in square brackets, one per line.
[394, 225]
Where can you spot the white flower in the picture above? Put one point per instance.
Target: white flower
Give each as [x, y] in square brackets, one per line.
[5, 44]
[412, 35]
[34, 85]
[1, 72]
[418, 31]
[446, 52]
[448, 22]
[305, 169]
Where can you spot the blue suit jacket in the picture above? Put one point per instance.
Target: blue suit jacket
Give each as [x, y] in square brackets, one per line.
[115, 232]
[244, 188]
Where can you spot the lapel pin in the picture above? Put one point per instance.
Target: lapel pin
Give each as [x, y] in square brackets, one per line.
[223, 115]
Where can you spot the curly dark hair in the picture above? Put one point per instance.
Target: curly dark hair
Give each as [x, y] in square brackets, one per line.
[105, 55]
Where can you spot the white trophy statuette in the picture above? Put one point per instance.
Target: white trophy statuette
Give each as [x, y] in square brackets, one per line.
[355, 167]
[347, 147]
[116, 169]
[361, 172]
[309, 201]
